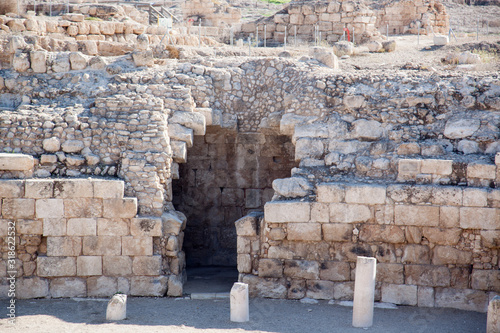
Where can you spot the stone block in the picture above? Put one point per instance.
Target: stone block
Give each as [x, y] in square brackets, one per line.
[318, 289]
[320, 212]
[442, 236]
[54, 227]
[343, 291]
[485, 279]
[11, 188]
[73, 188]
[399, 294]
[482, 171]
[31, 287]
[39, 188]
[262, 287]
[437, 167]
[279, 252]
[479, 218]
[382, 233]
[29, 227]
[416, 215]
[416, 254]
[194, 120]
[148, 286]
[18, 208]
[146, 226]
[38, 61]
[330, 192]
[120, 208]
[302, 269]
[247, 225]
[137, 246]
[102, 286]
[447, 196]
[449, 217]
[64, 246]
[147, 265]
[441, 40]
[337, 232]
[117, 265]
[175, 286]
[173, 222]
[293, 187]
[49, 208]
[16, 162]
[427, 275]
[365, 194]
[271, 268]
[475, 197]
[463, 299]
[56, 266]
[244, 263]
[88, 265]
[493, 318]
[102, 246]
[108, 189]
[179, 151]
[409, 168]
[67, 287]
[297, 289]
[83, 207]
[304, 232]
[181, 133]
[390, 273]
[349, 213]
[335, 271]
[287, 211]
[112, 227]
[244, 245]
[490, 238]
[82, 227]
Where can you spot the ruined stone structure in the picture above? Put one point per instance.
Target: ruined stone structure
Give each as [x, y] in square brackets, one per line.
[211, 13]
[366, 21]
[397, 166]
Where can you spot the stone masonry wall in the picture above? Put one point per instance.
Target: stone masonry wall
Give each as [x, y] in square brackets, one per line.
[435, 245]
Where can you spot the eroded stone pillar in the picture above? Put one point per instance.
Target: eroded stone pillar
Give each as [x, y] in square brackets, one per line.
[117, 307]
[239, 303]
[364, 292]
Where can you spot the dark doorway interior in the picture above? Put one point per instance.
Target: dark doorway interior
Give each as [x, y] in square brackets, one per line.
[227, 175]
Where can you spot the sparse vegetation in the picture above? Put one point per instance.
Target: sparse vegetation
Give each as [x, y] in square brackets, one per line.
[276, 2]
[173, 52]
[92, 18]
[487, 56]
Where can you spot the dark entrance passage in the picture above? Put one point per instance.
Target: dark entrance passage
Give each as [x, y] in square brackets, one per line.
[227, 175]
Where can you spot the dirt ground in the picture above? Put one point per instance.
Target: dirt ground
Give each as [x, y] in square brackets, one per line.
[266, 315]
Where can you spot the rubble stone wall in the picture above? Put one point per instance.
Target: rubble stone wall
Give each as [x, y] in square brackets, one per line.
[210, 13]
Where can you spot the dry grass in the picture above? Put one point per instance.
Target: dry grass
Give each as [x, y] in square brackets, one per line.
[173, 52]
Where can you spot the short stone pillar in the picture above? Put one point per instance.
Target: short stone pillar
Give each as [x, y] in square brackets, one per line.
[493, 321]
[239, 303]
[117, 307]
[364, 292]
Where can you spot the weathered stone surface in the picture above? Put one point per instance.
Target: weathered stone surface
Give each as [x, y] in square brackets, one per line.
[11, 188]
[399, 294]
[264, 287]
[244, 263]
[493, 319]
[343, 291]
[442, 236]
[343, 48]
[81, 227]
[147, 265]
[78, 61]
[427, 275]
[270, 268]
[72, 146]
[441, 40]
[367, 130]
[463, 299]
[68, 287]
[444, 255]
[247, 225]
[137, 246]
[481, 170]
[38, 61]
[102, 286]
[117, 265]
[18, 208]
[304, 232]
[143, 58]
[31, 287]
[447, 196]
[56, 266]
[293, 187]
[175, 286]
[88, 265]
[82, 207]
[318, 289]
[490, 238]
[485, 279]
[108, 189]
[475, 197]
[365, 194]
[120, 208]
[193, 120]
[101, 246]
[461, 128]
[64, 246]
[49, 208]
[181, 133]
[146, 226]
[148, 286]
[390, 273]
[382, 233]
[173, 222]
[349, 213]
[449, 217]
[16, 162]
[335, 271]
[425, 297]
[21, 61]
[479, 218]
[416, 254]
[302, 269]
[325, 57]
[112, 227]
[416, 215]
[330, 192]
[39, 188]
[54, 227]
[337, 232]
[287, 211]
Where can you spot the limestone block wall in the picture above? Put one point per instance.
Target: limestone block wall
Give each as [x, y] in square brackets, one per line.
[402, 17]
[211, 13]
[78, 238]
[330, 18]
[435, 245]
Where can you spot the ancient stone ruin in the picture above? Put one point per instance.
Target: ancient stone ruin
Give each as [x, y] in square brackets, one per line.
[117, 175]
